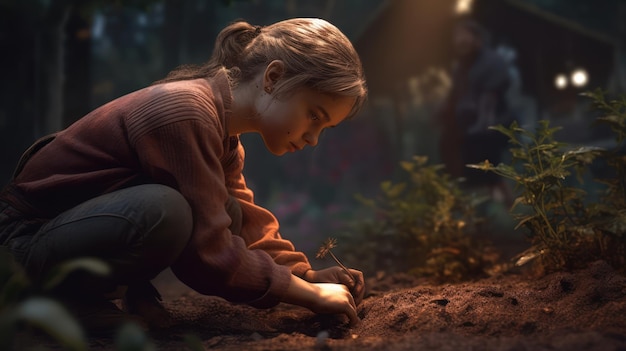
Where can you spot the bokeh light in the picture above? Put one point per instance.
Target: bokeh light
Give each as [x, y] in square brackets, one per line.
[560, 81]
[579, 78]
[463, 6]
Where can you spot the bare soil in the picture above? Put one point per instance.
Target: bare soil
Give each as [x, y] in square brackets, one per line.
[582, 310]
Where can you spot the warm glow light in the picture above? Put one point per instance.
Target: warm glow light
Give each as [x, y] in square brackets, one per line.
[463, 6]
[580, 78]
[560, 81]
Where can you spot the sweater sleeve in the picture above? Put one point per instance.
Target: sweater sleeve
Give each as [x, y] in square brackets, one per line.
[260, 228]
[185, 154]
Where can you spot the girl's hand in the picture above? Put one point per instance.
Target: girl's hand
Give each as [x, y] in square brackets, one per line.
[322, 298]
[355, 283]
[335, 298]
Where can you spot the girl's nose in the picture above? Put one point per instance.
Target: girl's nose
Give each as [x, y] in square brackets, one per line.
[311, 138]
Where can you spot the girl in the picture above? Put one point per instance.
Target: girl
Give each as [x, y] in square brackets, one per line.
[154, 179]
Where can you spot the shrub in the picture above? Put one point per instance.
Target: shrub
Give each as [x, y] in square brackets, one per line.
[565, 231]
[422, 224]
[26, 307]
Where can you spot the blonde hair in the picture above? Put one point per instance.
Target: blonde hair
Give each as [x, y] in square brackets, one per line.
[315, 53]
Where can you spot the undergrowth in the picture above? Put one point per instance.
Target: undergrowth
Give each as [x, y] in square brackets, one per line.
[29, 314]
[26, 308]
[422, 224]
[566, 231]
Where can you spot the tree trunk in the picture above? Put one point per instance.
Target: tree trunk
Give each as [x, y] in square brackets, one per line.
[78, 60]
[49, 63]
[17, 103]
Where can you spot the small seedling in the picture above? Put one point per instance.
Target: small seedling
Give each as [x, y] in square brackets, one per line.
[329, 244]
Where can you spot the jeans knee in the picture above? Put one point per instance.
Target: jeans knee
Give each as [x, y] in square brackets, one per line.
[171, 222]
[175, 206]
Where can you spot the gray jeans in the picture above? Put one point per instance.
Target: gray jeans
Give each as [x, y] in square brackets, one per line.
[138, 231]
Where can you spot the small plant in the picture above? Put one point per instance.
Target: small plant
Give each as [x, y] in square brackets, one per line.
[326, 249]
[26, 307]
[540, 169]
[24, 304]
[565, 231]
[609, 214]
[422, 224]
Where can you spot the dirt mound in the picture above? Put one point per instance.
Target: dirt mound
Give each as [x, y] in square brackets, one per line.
[583, 310]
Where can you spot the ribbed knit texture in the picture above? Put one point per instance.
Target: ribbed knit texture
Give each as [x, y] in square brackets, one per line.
[173, 134]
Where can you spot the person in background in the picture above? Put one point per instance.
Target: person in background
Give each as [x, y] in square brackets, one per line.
[477, 100]
[153, 179]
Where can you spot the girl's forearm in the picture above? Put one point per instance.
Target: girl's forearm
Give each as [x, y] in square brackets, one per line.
[301, 293]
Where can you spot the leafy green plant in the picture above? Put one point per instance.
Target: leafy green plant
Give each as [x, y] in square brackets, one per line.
[422, 224]
[24, 304]
[608, 216]
[565, 230]
[26, 307]
[557, 222]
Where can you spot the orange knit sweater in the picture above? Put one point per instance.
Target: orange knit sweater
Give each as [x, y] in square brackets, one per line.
[173, 134]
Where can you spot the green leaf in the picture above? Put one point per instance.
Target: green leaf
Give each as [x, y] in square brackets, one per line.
[584, 149]
[407, 166]
[507, 171]
[420, 160]
[518, 200]
[545, 147]
[510, 133]
[612, 120]
[524, 219]
[52, 318]
[529, 255]
[484, 166]
[92, 265]
[395, 190]
[584, 154]
[549, 176]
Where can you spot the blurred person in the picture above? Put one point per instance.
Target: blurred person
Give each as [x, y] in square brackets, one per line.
[153, 179]
[477, 100]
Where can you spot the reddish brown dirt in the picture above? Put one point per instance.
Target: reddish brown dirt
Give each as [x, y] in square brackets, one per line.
[583, 310]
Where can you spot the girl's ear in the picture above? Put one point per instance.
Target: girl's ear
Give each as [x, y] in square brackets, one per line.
[273, 72]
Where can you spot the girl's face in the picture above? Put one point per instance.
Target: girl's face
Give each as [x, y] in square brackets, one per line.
[289, 123]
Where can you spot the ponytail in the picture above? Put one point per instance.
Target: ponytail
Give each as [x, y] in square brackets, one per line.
[227, 52]
[231, 43]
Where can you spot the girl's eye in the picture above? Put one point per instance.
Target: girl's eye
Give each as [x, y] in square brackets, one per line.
[314, 116]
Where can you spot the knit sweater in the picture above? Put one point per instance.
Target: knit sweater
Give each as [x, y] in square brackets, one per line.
[174, 134]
